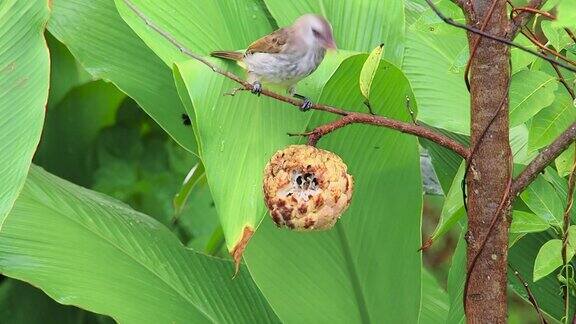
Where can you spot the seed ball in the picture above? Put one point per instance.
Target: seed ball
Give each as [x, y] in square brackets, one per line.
[306, 188]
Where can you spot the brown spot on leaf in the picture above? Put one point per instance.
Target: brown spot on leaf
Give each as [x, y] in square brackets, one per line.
[239, 248]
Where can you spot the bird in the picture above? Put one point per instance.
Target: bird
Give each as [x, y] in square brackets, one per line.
[286, 56]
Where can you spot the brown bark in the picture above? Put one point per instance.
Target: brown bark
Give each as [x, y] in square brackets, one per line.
[489, 173]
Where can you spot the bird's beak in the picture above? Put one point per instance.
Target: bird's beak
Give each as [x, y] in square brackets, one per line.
[330, 44]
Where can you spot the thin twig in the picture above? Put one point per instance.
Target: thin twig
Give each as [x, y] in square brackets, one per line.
[564, 82]
[355, 117]
[531, 296]
[521, 19]
[534, 11]
[565, 231]
[571, 34]
[543, 159]
[545, 48]
[471, 29]
[532, 37]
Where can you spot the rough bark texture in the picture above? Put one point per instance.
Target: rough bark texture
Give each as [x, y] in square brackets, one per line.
[489, 172]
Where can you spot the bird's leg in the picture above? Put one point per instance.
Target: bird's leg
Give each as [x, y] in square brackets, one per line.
[306, 103]
[256, 88]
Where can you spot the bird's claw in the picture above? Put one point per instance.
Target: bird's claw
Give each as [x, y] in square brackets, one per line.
[257, 88]
[306, 105]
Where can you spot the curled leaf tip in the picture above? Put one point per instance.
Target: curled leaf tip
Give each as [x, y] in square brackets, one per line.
[240, 247]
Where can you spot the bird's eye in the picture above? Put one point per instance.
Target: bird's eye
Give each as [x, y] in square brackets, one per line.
[316, 33]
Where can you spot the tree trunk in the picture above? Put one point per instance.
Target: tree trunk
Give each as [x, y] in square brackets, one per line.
[488, 175]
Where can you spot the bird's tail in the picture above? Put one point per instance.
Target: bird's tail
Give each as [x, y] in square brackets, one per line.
[228, 55]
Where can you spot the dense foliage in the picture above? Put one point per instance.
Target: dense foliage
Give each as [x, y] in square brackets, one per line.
[111, 203]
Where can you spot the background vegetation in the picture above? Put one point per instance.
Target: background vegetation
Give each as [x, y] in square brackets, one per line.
[113, 205]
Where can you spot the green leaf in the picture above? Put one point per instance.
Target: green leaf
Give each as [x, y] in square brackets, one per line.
[565, 162]
[202, 26]
[557, 37]
[66, 73]
[434, 62]
[236, 140]
[456, 282]
[523, 222]
[453, 208]
[369, 70]
[24, 77]
[72, 128]
[549, 256]
[542, 199]
[192, 179]
[520, 59]
[565, 15]
[358, 25]
[446, 163]
[108, 49]
[20, 303]
[560, 186]
[519, 138]
[345, 273]
[552, 121]
[530, 92]
[239, 137]
[435, 302]
[546, 290]
[66, 239]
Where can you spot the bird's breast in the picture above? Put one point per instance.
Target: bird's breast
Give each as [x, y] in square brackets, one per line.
[283, 68]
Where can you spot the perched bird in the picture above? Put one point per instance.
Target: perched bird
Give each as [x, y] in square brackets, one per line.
[287, 55]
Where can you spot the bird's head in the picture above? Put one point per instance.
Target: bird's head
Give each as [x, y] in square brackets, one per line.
[315, 30]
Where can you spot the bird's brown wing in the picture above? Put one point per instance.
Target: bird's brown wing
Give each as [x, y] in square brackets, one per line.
[271, 43]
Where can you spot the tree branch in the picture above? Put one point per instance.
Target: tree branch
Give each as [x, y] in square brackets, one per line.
[359, 118]
[522, 18]
[543, 159]
[349, 117]
[504, 40]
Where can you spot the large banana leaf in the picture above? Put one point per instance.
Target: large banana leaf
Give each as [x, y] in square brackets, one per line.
[436, 55]
[367, 268]
[71, 128]
[20, 303]
[237, 136]
[83, 248]
[456, 282]
[108, 49]
[202, 26]
[24, 77]
[358, 25]
[65, 71]
[435, 303]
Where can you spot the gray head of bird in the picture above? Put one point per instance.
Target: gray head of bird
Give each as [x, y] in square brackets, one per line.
[315, 30]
